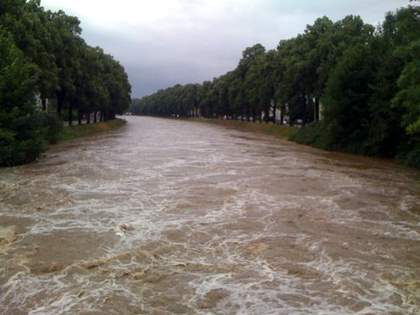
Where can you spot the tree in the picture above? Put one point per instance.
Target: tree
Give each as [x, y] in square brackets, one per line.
[31, 27]
[368, 80]
[43, 55]
[68, 47]
[22, 135]
[347, 115]
[409, 93]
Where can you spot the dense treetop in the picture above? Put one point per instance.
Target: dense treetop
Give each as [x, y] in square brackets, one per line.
[363, 81]
[44, 57]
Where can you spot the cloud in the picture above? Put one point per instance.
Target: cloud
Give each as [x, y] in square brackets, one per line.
[163, 42]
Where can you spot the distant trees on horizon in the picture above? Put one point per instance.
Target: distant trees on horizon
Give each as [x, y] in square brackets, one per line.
[43, 57]
[364, 81]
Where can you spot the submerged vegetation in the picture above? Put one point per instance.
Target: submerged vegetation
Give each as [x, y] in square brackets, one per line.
[352, 87]
[74, 132]
[279, 131]
[49, 74]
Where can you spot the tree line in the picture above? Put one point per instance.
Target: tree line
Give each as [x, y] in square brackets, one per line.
[48, 74]
[352, 86]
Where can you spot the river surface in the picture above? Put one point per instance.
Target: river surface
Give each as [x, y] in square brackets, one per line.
[174, 217]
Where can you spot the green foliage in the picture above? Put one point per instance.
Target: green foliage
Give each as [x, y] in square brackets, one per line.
[411, 157]
[408, 96]
[21, 130]
[74, 132]
[372, 97]
[347, 116]
[313, 134]
[43, 55]
[22, 139]
[364, 81]
[77, 75]
[53, 127]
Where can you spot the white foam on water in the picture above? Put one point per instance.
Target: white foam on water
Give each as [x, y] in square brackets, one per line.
[198, 208]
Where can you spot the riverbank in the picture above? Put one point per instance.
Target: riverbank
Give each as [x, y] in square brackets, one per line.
[79, 131]
[286, 132]
[279, 131]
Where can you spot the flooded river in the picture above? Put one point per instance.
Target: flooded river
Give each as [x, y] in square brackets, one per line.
[173, 217]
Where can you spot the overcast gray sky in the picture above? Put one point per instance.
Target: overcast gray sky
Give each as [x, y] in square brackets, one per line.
[164, 42]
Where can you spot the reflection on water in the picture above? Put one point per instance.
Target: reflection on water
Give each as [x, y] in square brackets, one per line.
[171, 217]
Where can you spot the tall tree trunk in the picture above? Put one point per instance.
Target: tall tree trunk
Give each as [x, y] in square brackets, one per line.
[88, 118]
[274, 112]
[44, 104]
[70, 114]
[60, 102]
[95, 118]
[316, 109]
[267, 115]
[79, 117]
[282, 109]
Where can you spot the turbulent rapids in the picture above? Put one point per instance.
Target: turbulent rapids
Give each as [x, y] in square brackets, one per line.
[173, 217]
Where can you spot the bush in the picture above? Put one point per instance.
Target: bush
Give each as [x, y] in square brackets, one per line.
[53, 127]
[24, 131]
[23, 140]
[410, 153]
[312, 134]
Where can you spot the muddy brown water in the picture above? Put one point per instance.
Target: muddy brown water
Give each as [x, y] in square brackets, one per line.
[173, 217]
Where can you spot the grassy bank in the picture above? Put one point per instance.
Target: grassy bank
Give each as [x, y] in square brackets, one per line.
[317, 136]
[74, 132]
[309, 135]
[278, 131]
